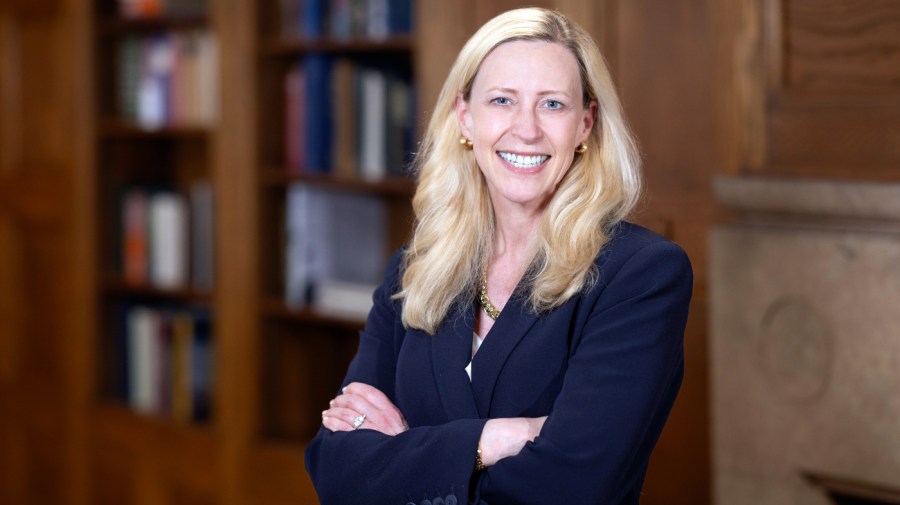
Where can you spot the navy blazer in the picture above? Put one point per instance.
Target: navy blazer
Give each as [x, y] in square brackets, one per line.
[605, 368]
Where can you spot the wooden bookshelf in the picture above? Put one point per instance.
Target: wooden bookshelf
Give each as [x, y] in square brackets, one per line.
[305, 352]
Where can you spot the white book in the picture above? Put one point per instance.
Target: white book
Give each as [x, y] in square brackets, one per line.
[372, 136]
[168, 240]
[378, 25]
[145, 357]
[345, 299]
[154, 88]
[306, 250]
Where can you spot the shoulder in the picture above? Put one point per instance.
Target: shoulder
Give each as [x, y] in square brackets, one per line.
[633, 247]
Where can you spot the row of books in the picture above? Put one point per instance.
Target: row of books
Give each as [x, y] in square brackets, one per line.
[348, 119]
[335, 250]
[166, 361]
[142, 9]
[168, 79]
[167, 238]
[345, 19]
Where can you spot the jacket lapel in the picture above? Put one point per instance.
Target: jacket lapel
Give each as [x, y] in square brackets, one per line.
[514, 322]
[451, 350]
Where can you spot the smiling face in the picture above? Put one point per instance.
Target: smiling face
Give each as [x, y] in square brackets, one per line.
[525, 116]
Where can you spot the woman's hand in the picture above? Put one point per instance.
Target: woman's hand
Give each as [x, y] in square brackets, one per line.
[505, 437]
[360, 399]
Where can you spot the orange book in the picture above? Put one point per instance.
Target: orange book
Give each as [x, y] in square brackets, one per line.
[134, 237]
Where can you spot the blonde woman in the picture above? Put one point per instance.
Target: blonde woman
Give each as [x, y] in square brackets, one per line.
[527, 345]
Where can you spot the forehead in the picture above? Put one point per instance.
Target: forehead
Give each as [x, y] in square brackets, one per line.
[529, 64]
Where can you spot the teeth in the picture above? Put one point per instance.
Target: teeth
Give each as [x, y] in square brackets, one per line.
[523, 161]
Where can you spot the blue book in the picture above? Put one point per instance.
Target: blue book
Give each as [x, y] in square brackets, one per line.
[312, 18]
[318, 113]
[400, 17]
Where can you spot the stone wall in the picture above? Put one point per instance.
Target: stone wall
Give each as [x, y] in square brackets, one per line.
[805, 339]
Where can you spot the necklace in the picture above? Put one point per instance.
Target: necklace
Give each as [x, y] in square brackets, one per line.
[492, 312]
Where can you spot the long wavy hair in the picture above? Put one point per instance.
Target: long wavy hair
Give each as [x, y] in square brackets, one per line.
[454, 229]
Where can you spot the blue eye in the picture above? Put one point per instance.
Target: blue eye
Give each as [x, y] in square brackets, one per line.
[500, 100]
[553, 104]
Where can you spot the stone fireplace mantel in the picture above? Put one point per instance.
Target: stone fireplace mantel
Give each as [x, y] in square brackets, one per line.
[805, 339]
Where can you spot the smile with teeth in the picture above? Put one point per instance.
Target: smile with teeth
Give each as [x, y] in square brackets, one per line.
[523, 161]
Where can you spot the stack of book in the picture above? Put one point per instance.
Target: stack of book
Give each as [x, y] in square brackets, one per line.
[335, 251]
[166, 360]
[143, 9]
[347, 119]
[345, 19]
[167, 239]
[168, 79]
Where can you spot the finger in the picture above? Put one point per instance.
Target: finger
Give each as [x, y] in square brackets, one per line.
[357, 405]
[389, 422]
[370, 393]
[379, 401]
[342, 415]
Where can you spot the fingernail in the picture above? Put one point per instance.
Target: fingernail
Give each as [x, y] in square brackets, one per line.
[323, 414]
[343, 390]
[330, 402]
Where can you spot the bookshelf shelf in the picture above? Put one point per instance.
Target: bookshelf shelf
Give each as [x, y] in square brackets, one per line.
[113, 128]
[278, 46]
[387, 187]
[117, 25]
[276, 309]
[119, 287]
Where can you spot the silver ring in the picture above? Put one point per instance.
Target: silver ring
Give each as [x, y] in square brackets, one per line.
[359, 420]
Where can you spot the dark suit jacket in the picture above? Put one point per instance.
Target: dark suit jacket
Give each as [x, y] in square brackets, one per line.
[605, 367]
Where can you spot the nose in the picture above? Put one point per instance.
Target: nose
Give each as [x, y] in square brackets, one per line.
[526, 125]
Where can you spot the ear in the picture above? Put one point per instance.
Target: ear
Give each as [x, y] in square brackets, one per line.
[588, 120]
[463, 116]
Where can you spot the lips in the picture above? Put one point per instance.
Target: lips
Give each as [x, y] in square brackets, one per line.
[523, 162]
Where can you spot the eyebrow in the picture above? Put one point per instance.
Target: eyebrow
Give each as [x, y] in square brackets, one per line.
[513, 91]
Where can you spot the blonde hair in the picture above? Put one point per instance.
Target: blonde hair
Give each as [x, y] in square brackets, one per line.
[454, 227]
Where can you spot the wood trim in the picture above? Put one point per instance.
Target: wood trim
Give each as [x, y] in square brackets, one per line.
[750, 85]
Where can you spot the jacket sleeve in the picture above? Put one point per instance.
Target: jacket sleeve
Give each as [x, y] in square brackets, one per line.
[365, 466]
[624, 373]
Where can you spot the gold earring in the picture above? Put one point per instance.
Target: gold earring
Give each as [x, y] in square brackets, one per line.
[463, 141]
[581, 149]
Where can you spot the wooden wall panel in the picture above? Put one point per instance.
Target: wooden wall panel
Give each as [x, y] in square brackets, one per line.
[819, 88]
[665, 67]
[842, 48]
[38, 137]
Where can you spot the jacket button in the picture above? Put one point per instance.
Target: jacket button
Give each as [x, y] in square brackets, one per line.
[426, 502]
[437, 501]
[450, 500]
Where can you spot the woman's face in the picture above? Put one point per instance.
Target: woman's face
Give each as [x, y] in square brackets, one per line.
[525, 117]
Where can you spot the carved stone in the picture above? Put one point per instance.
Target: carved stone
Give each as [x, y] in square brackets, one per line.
[805, 338]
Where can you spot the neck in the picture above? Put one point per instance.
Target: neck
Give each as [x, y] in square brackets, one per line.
[515, 230]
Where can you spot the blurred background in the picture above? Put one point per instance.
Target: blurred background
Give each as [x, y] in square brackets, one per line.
[168, 336]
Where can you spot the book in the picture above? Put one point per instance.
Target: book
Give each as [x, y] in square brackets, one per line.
[135, 240]
[168, 219]
[319, 119]
[295, 119]
[181, 369]
[336, 241]
[373, 117]
[154, 87]
[145, 357]
[345, 146]
[202, 366]
[347, 300]
[202, 235]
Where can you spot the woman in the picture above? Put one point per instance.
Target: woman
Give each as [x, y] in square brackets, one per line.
[526, 174]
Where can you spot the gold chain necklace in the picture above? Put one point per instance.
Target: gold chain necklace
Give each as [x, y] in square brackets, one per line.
[492, 312]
